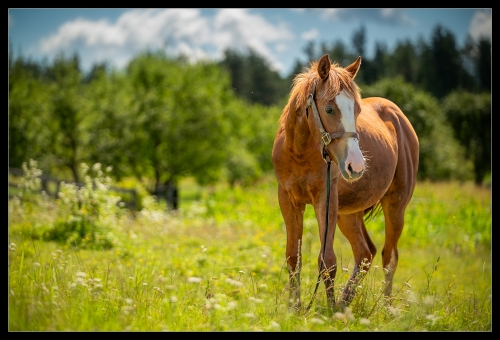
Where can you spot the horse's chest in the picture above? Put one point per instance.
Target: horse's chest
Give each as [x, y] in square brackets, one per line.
[302, 188]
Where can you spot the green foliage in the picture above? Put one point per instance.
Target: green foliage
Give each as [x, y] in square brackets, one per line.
[109, 124]
[29, 107]
[441, 68]
[441, 156]
[251, 141]
[404, 62]
[242, 167]
[83, 216]
[179, 119]
[470, 117]
[253, 79]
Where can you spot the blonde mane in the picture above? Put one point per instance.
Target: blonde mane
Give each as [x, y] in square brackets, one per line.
[338, 80]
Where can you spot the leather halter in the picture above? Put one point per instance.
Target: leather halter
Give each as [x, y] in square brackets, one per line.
[325, 136]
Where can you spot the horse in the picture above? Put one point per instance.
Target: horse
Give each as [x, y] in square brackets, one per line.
[350, 158]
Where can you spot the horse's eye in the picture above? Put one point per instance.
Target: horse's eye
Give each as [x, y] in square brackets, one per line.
[329, 110]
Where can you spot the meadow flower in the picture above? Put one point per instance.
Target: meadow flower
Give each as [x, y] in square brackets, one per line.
[44, 288]
[339, 316]
[194, 279]
[159, 290]
[234, 282]
[410, 296]
[317, 321]
[428, 300]
[394, 311]
[364, 321]
[127, 309]
[80, 282]
[348, 313]
[231, 305]
[274, 325]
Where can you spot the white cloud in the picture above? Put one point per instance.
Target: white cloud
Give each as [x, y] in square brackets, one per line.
[238, 29]
[481, 25]
[391, 16]
[310, 35]
[176, 30]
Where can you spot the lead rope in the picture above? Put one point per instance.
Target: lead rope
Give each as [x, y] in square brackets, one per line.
[326, 226]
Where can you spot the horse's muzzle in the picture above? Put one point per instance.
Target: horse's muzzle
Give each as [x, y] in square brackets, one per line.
[353, 166]
[349, 174]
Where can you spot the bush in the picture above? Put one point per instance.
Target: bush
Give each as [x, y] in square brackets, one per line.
[85, 216]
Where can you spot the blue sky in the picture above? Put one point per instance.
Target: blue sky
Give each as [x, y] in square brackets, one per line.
[116, 35]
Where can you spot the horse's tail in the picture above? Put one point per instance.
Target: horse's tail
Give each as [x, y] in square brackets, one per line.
[372, 211]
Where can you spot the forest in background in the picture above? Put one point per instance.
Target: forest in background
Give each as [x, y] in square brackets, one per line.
[162, 118]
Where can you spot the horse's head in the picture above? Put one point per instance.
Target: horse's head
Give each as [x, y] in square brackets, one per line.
[333, 107]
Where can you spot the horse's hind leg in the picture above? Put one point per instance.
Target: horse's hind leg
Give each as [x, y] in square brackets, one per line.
[293, 216]
[354, 229]
[393, 206]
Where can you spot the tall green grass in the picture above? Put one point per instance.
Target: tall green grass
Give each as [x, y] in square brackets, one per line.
[218, 264]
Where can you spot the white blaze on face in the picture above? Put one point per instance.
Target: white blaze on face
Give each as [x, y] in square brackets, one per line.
[354, 157]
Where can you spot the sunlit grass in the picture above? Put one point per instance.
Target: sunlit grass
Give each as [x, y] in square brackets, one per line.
[218, 264]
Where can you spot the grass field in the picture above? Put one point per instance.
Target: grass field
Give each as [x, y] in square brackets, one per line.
[218, 264]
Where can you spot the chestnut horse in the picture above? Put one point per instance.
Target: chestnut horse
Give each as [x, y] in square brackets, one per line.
[375, 152]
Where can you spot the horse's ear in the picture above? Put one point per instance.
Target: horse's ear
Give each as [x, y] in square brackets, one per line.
[324, 67]
[354, 67]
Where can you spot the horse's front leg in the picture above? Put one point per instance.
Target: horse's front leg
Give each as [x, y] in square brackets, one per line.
[293, 215]
[327, 260]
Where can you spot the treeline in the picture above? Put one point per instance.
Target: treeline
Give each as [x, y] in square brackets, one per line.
[157, 121]
[162, 118]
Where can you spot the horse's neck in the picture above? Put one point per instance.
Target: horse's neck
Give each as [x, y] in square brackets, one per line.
[298, 134]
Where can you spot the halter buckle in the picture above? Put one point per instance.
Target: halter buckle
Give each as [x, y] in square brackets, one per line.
[326, 138]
